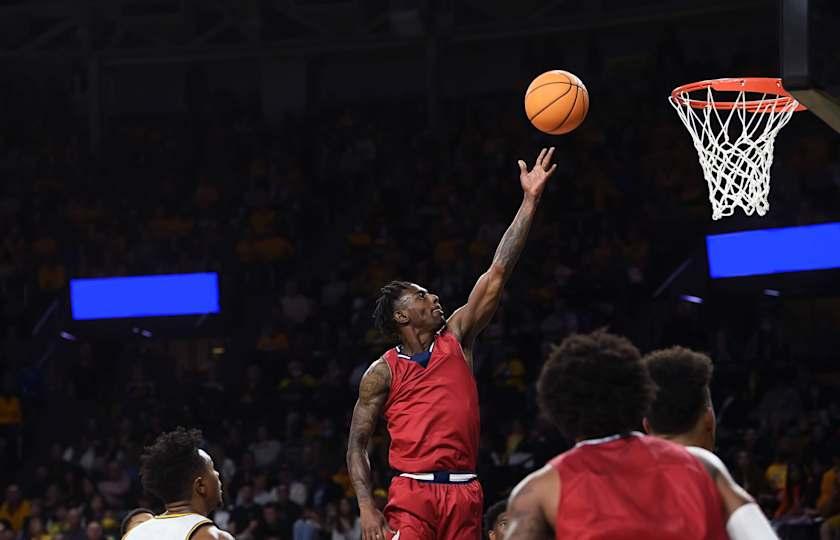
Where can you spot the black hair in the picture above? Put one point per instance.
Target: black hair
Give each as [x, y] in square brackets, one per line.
[169, 466]
[128, 516]
[594, 385]
[682, 378]
[383, 313]
[493, 514]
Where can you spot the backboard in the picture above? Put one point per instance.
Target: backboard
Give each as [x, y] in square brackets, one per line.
[810, 55]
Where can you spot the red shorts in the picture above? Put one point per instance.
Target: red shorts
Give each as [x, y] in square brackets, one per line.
[430, 511]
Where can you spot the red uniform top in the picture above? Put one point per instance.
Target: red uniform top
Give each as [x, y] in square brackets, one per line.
[432, 411]
[636, 487]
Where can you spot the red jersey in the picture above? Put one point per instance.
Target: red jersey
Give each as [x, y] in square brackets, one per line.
[635, 487]
[432, 411]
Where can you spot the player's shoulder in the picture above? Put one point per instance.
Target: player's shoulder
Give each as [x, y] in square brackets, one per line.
[380, 365]
[709, 460]
[377, 376]
[538, 490]
[211, 532]
[539, 482]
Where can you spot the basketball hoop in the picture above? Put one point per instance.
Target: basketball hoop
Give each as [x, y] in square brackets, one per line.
[734, 137]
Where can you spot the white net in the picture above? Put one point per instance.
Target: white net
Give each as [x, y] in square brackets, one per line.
[735, 147]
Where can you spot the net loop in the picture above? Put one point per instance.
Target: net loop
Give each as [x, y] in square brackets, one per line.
[734, 141]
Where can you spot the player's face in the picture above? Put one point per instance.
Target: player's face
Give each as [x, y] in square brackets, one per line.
[422, 308]
[498, 530]
[213, 492]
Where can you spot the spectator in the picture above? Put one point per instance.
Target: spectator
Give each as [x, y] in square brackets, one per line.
[15, 509]
[296, 307]
[347, 525]
[266, 449]
[35, 530]
[307, 526]
[264, 493]
[72, 528]
[115, 486]
[246, 513]
[94, 531]
[272, 523]
[748, 475]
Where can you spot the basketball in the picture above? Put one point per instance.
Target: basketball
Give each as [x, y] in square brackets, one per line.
[556, 102]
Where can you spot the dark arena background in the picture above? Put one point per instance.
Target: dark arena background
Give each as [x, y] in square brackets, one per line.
[286, 159]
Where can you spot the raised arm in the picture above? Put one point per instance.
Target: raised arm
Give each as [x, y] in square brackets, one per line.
[373, 392]
[469, 320]
[532, 506]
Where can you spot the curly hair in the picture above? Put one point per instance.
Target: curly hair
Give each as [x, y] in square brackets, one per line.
[492, 515]
[594, 385]
[169, 466]
[383, 313]
[682, 378]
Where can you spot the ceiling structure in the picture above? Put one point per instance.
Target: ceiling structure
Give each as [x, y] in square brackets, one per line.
[157, 31]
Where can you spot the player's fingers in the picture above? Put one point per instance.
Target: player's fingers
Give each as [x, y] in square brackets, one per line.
[523, 167]
[540, 158]
[550, 171]
[547, 159]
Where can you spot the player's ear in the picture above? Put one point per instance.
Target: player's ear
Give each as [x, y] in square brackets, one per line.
[199, 486]
[646, 425]
[709, 420]
[400, 317]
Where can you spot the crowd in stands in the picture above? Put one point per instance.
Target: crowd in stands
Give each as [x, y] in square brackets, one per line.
[304, 221]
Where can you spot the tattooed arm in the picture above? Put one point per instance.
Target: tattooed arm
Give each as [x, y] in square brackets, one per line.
[373, 392]
[532, 506]
[468, 321]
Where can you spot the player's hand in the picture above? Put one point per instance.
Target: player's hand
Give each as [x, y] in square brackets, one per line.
[533, 182]
[374, 526]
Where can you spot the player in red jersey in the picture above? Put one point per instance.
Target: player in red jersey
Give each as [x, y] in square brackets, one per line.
[616, 483]
[682, 412]
[426, 391]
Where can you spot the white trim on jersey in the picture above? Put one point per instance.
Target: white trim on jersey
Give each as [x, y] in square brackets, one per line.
[168, 527]
[611, 438]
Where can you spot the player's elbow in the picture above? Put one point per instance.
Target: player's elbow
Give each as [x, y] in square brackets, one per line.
[355, 451]
[497, 271]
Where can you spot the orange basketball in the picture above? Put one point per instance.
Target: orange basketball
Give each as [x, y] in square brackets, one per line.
[556, 102]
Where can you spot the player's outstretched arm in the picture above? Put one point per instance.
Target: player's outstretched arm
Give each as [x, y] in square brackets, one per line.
[532, 506]
[744, 519]
[468, 321]
[373, 392]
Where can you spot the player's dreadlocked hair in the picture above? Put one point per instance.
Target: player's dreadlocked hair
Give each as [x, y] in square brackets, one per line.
[169, 466]
[383, 313]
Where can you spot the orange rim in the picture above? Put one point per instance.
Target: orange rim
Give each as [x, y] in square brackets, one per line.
[759, 85]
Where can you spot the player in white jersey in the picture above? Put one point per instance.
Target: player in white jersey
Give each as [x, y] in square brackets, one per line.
[682, 412]
[182, 475]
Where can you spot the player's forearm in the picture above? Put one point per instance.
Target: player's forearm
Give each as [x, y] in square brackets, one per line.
[513, 241]
[358, 466]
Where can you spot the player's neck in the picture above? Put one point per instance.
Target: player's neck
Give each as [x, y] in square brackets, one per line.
[686, 439]
[416, 341]
[183, 507]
